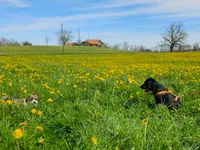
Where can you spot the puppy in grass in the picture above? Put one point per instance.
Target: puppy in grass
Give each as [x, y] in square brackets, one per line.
[31, 99]
[161, 94]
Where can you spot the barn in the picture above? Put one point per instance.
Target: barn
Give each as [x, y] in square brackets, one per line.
[93, 42]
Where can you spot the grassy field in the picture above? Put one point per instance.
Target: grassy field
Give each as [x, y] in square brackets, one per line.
[93, 101]
[8, 50]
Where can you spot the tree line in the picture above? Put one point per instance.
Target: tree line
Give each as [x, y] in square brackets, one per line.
[173, 39]
[11, 42]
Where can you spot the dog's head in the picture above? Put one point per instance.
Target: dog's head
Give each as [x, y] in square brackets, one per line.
[148, 84]
[33, 99]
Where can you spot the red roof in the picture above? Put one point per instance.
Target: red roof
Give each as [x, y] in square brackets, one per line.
[93, 42]
[70, 44]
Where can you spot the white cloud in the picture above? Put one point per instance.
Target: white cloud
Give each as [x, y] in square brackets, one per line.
[168, 7]
[16, 3]
[120, 3]
[32, 27]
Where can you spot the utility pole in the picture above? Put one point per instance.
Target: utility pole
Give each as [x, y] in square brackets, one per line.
[79, 41]
[62, 37]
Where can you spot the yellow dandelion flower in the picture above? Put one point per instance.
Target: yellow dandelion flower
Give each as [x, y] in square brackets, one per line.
[144, 121]
[10, 84]
[39, 128]
[131, 97]
[60, 81]
[23, 124]
[3, 94]
[33, 111]
[39, 113]
[75, 86]
[51, 92]
[199, 109]
[94, 140]
[9, 102]
[41, 140]
[137, 93]
[25, 91]
[50, 100]
[58, 91]
[18, 133]
[117, 148]
[2, 101]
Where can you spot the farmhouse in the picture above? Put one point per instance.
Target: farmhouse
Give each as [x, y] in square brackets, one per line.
[71, 44]
[93, 42]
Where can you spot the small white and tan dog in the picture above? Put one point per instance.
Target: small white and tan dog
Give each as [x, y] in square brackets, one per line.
[31, 99]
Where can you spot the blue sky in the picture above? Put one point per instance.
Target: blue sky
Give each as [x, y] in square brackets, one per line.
[113, 21]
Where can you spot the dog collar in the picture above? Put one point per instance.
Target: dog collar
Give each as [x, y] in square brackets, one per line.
[166, 92]
[162, 92]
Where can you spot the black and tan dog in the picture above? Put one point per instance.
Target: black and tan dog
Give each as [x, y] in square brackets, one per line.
[161, 94]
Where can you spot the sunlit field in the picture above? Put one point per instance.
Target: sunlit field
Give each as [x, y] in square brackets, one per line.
[94, 102]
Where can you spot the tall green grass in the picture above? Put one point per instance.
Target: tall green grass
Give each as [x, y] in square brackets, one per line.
[100, 109]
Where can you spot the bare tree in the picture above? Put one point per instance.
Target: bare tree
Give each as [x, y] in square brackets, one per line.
[64, 36]
[46, 39]
[125, 46]
[142, 48]
[196, 46]
[4, 41]
[8, 42]
[116, 47]
[174, 36]
[106, 45]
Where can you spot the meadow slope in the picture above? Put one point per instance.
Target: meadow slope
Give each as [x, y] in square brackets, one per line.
[93, 101]
[15, 50]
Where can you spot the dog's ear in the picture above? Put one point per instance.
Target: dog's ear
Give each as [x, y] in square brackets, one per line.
[151, 83]
[28, 99]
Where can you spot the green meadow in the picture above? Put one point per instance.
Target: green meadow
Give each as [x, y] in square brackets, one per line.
[91, 100]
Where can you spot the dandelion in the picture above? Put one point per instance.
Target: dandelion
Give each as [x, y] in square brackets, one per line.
[137, 93]
[49, 100]
[33, 111]
[2, 101]
[51, 92]
[117, 148]
[131, 97]
[39, 128]
[23, 124]
[9, 102]
[18, 133]
[39, 113]
[144, 121]
[60, 81]
[75, 86]
[94, 140]
[10, 84]
[25, 91]
[41, 140]
[58, 92]
[3, 94]
[199, 109]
